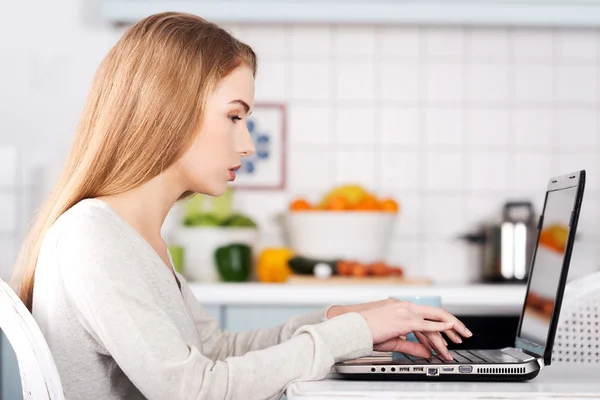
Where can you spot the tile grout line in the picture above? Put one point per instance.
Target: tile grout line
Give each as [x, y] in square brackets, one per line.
[466, 137]
[421, 153]
[511, 109]
[555, 156]
[377, 106]
[333, 107]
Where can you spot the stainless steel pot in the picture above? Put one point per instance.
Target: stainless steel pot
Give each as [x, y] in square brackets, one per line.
[507, 247]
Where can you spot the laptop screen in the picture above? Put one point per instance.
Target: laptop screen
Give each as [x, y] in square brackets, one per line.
[547, 267]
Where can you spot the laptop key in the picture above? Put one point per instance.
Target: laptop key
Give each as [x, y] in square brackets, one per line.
[435, 360]
[417, 360]
[477, 358]
[459, 358]
[402, 358]
[444, 361]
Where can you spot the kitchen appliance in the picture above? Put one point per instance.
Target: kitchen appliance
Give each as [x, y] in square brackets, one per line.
[506, 247]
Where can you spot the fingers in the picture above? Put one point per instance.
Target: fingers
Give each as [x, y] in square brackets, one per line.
[452, 335]
[439, 314]
[423, 340]
[420, 325]
[435, 338]
[415, 349]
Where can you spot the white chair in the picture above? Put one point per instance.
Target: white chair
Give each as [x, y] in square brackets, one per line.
[39, 375]
[578, 333]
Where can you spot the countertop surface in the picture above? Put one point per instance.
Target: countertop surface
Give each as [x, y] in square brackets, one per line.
[555, 381]
[472, 299]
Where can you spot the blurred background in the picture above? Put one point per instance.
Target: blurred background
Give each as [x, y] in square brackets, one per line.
[448, 118]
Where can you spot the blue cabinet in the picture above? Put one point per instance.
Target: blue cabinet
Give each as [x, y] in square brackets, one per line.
[241, 318]
[10, 380]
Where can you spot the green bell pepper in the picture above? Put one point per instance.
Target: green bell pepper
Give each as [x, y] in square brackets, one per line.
[234, 262]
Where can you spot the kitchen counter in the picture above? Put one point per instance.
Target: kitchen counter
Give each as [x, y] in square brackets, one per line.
[575, 381]
[476, 299]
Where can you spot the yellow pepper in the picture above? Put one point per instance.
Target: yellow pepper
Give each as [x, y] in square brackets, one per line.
[273, 265]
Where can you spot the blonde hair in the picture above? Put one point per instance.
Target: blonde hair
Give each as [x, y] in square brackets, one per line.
[143, 110]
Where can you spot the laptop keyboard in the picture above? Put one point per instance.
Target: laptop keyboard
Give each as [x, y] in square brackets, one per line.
[461, 357]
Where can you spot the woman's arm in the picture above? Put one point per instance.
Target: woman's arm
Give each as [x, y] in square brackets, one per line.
[120, 307]
[219, 344]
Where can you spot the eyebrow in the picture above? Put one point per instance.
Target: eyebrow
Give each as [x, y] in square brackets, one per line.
[243, 103]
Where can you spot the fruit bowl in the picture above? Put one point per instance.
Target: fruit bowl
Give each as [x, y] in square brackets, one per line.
[362, 236]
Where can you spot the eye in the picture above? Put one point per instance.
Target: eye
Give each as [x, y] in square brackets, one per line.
[235, 118]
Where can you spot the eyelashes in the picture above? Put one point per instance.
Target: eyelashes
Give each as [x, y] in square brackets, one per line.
[235, 118]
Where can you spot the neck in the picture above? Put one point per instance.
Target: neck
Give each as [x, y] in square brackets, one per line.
[146, 206]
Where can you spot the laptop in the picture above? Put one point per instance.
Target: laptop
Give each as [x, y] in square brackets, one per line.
[539, 317]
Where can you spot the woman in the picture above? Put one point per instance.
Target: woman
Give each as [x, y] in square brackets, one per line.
[165, 118]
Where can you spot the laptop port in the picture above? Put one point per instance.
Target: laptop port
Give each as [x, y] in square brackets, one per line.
[418, 369]
[465, 369]
[432, 371]
[448, 369]
[403, 369]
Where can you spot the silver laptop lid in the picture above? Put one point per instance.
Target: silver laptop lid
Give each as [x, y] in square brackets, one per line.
[550, 265]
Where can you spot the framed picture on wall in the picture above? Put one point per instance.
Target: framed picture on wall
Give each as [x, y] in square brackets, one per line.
[265, 169]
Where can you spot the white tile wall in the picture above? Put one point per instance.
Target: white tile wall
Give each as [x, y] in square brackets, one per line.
[399, 126]
[450, 121]
[444, 127]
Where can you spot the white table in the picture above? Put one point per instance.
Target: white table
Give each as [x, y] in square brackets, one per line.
[554, 381]
[475, 299]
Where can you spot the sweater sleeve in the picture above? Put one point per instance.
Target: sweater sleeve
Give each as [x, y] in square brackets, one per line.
[118, 306]
[219, 344]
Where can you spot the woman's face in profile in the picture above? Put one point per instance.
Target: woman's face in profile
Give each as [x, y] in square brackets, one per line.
[224, 138]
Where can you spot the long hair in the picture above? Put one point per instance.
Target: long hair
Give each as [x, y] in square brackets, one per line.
[142, 113]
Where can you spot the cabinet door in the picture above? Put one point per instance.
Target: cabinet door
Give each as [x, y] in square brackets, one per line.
[242, 318]
[10, 380]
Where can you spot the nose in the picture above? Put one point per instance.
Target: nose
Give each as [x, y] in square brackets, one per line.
[246, 145]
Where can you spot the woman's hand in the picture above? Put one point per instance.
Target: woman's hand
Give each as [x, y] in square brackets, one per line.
[391, 320]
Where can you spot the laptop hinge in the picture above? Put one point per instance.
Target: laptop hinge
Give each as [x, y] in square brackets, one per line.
[530, 353]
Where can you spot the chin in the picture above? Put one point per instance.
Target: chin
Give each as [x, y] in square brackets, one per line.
[214, 190]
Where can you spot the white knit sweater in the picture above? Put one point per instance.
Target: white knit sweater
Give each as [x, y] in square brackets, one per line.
[119, 327]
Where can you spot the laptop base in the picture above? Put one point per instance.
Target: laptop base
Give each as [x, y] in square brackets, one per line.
[441, 378]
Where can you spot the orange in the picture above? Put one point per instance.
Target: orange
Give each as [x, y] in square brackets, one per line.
[300, 205]
[389, 205]
[368, 203]
[336, 203]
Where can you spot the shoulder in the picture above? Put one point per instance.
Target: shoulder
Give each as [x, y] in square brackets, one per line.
[87, 223]
[90, 240]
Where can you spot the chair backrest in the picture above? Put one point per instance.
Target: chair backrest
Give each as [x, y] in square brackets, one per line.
[39, 375]
[578, 333]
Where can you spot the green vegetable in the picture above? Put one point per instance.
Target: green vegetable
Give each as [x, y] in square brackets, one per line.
[234, 262]
[306, 266]
[205, 219]
[239, 221]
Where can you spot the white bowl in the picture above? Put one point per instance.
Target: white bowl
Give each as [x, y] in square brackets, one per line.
[199, 246]
[362, 236]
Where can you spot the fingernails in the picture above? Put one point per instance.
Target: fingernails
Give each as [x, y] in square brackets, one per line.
[446, 343]
[468, 332]
[448, 356]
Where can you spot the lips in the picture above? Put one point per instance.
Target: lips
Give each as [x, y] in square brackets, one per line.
[232, 172]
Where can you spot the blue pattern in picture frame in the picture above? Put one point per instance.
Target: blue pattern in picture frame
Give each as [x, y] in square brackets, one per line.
[262, 144]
